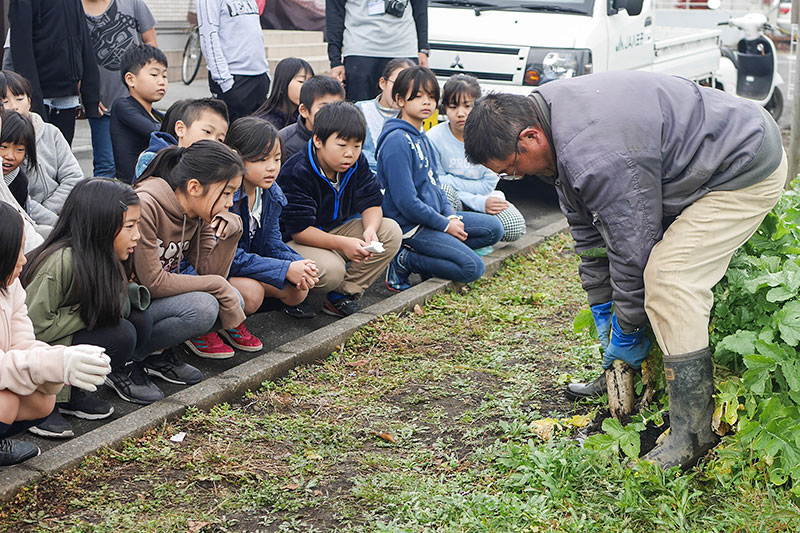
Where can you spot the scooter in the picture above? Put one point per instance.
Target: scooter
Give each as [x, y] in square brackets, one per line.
[751, 71]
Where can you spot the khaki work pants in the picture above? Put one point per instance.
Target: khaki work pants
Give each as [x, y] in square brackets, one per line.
[693, 256]
[337, 273]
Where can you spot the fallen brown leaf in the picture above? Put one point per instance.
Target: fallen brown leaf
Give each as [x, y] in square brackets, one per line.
[418, 310]
[385, 435]
[196, 527]
[291, 486]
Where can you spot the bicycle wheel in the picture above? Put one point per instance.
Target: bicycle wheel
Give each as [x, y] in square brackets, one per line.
[192, 57]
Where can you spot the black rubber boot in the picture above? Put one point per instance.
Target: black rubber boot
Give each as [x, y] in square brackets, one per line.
[594, 389]
[690, 381]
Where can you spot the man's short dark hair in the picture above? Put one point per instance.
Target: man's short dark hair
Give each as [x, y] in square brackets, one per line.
[317, 87]
[341, 118]
[194, 108]
[137, 57]
[494, 125]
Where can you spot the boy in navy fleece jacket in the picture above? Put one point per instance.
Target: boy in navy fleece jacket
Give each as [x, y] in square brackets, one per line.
[334, 209]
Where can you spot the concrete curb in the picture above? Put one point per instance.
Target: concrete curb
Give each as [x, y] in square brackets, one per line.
[234, 382]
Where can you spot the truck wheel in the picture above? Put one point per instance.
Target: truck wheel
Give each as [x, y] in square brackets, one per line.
[775, 104]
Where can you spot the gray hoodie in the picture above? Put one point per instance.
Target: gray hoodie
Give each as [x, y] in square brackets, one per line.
[633, 149]
[56, 173]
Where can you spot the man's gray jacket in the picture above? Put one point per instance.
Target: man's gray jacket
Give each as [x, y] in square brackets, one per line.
[633, 149]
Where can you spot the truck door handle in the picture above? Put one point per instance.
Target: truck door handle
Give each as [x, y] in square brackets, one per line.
[648, 21]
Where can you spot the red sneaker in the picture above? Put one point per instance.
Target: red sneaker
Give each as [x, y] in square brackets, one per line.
[209, 346]
[242, 339]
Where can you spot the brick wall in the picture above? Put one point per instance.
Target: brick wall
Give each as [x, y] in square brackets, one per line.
[169, 10]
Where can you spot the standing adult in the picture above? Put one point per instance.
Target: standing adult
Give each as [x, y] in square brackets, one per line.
[114, 27]
[233, 46]
[661, 181]
[364, 35]
[50, 47]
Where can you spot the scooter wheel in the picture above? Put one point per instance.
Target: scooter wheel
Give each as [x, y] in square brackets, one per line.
[775, 104]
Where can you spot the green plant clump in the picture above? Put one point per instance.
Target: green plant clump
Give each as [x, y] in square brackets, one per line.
[755, 331]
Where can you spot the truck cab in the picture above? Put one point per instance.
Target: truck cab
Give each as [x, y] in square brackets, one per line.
[514, 45]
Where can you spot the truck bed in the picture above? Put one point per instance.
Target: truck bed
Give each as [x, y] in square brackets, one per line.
[691, 51]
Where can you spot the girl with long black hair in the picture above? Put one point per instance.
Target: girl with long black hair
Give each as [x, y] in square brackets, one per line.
[185, 195]
[78, 293]
[280, 109]
[31, 372]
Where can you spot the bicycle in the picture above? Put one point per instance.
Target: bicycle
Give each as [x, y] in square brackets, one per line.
[192, 56]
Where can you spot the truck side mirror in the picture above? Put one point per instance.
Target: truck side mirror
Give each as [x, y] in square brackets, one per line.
[633, 7]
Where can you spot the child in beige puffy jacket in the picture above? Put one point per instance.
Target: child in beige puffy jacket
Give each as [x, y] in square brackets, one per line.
[31, 372]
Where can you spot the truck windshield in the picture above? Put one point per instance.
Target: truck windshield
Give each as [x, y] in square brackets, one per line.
[583, 7]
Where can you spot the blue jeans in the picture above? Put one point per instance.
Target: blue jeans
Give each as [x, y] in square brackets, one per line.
[436, 253]
[103, 155]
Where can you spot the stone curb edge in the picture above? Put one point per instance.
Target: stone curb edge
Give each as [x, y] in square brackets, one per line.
[234, 382]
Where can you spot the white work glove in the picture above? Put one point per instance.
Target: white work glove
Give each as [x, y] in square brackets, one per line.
[85, 366]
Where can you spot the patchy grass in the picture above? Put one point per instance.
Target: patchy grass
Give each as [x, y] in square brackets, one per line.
[433, 420]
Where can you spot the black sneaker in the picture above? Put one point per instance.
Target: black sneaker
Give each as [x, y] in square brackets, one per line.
[133, 385]
[82, 405]
[54, 427]
[13, 452]
[168, 366]
[303, 310]
[344, 307]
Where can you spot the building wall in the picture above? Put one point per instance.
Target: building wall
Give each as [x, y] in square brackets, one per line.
[169, 10]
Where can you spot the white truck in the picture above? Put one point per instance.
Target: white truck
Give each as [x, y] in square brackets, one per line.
[513, 45]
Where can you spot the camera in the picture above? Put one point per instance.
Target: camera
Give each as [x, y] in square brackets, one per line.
[396, 8]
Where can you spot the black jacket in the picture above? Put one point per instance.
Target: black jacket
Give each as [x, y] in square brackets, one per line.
[295, 137]
[51, 47]
[131, 126]
[314, 201]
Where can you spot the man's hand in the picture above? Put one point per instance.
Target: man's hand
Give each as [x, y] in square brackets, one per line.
[631, 348]
[338, 74]
[354, 250]
[456, 229]
[423, 59]
[495, 205]
[103, 109]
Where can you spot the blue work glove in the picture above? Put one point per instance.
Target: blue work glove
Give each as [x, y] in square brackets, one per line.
[602, 321]
[631, 348]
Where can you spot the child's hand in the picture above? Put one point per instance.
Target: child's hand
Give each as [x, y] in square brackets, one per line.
[456, 229]
[220, 226]
[301, 270]
[495, 205]
[354, 250]
[370, 235]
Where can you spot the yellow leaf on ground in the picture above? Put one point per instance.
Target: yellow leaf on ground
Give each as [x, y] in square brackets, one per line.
[544, 428]
[578, 421]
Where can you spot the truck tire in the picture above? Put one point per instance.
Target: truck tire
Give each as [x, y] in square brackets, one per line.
[775, 104]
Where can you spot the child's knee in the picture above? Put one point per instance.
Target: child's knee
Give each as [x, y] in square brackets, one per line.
[203, 310]
[40, 404]
[390, 235]
[473, 269]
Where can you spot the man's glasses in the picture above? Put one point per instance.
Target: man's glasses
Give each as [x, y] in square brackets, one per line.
[513, 176]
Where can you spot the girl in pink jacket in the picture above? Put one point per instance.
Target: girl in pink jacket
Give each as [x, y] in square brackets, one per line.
[31, 372]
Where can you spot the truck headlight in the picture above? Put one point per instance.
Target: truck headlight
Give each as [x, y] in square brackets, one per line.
[547, 64]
